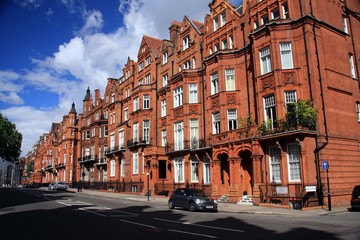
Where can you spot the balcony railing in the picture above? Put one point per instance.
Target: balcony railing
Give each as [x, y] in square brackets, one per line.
[88, 159]
[185, 146]
[115, 149]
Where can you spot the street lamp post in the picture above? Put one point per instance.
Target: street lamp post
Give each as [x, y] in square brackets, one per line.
[148, 187]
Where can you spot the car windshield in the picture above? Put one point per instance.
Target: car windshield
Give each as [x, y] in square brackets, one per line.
[199, 193]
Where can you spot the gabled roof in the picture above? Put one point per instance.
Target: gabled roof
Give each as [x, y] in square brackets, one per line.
[154, 45]
[195, 24]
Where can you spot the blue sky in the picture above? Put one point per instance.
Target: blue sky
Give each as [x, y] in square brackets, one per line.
[52, 50]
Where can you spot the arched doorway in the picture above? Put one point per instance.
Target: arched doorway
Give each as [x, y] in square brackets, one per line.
[224, 169]
[246, 181]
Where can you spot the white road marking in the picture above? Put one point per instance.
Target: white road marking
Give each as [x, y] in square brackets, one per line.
[191, 233]
[140, 224]
[199, 225]
[69, 202]
[83, 209]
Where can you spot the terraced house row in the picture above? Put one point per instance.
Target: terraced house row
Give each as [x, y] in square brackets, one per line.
[257, 100]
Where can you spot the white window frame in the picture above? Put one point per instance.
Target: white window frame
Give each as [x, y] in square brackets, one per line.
[186, 42]
[270, 109]
[222, 19]
[126, 114]
[147, 79]
[216, 122]
[135, 163]
[290, 97]
[136, 104]
[112, 141]
[179, 170]
[178, 96]
[214, 83]
[216, 23]
[165, 80]
[165, 58]
[232, 119]
[230, 79]
[264, 19]
[352, 65]
[358, 111]
[265, 60]
[345, 24]
[286, 55]
[146, 101]
[194, 133]
[206, 171]
[293, 157]
[187, 65]
[275, 14]
[112, 168]
[178, 136]
[275, 164]
[147, 61]
[194, 170]
[136, 132]
[224, 44]
[163, 138]
[163, 108]
[146, 131]
[193, 93]
[285, 10]
[121, 138]
[122, 166]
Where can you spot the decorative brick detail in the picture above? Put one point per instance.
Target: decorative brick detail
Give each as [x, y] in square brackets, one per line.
[231, 99]
[268, 82]
[194, 109]
[179, 112]
[215, 102]
[289, 77]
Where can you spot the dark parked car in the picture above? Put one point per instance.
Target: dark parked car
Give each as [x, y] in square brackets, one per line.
[192, 199]
[355, 198]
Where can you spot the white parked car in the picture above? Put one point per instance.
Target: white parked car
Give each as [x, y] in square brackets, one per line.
[51, 186]
[60, 186]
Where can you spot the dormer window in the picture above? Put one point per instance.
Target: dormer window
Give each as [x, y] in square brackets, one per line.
[264, 19]
[165, 57]
[147, 61]
[216, 23]
[285, 11]
[275, 14]
[222, 19]
[186, 43]
[141, 66]
[187, 64]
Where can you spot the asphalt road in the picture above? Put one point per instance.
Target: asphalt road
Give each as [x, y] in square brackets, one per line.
[41, 214]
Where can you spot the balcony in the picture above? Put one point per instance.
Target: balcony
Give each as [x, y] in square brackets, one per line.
[115, 149]
[60, 166]
[131, 143]
[49, 168]
[190, 146]
[102, 161]
[88, 159]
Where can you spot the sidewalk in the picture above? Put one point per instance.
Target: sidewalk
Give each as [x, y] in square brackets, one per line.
[226, 207]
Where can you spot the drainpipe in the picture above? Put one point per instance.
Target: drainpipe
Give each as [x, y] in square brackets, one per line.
[203, 91]
[246, 71]
[324, 144]
[156, 105]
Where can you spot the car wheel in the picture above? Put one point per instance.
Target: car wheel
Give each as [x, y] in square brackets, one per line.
[170, 204]
[192, 207]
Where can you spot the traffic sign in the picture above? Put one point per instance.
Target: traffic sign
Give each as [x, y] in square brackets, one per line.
[325, 165]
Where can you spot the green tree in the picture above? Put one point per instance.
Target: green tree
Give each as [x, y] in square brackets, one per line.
[10, 140]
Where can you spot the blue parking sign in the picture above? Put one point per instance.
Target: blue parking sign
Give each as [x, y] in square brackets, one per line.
[325, 165]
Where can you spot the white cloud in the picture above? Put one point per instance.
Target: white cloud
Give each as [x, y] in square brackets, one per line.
[93, 24]
[89, 58]
[10, 87]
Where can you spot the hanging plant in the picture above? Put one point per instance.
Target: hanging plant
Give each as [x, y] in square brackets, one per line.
[303, 114]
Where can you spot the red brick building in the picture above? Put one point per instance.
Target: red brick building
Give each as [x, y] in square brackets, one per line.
[252, 102]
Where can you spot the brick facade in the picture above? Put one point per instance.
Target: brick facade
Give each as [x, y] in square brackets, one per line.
[210, 108]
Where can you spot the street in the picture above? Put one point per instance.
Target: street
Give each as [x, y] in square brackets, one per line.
[42, 214]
